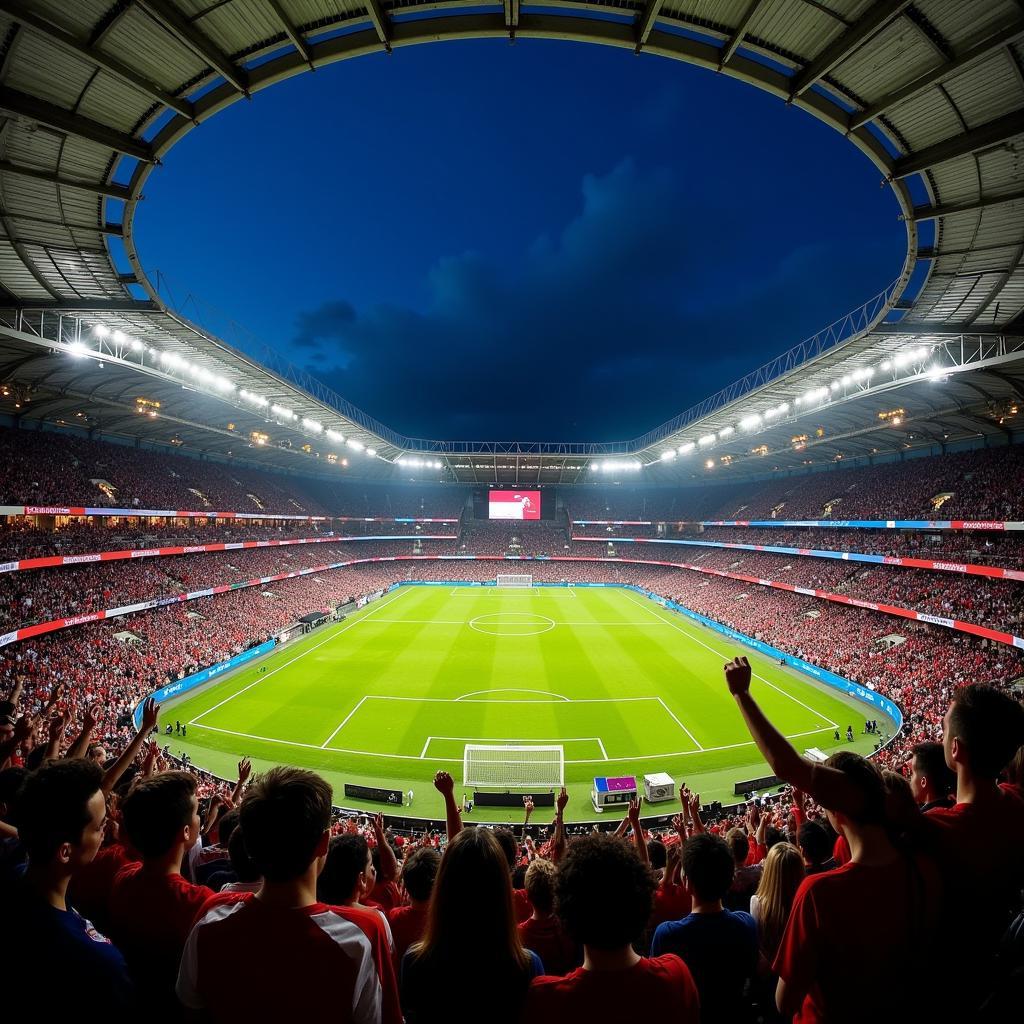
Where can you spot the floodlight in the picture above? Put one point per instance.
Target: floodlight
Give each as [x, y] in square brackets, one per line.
[136, 344]
[312, 425]
[707, 439]
[686, 448]
[725, 431]
[100, 331]
[372, 452]
[77, 349]
[335, 436]
[357, 445]
[710, 464]
[668, 455]
[118, 336]
[886, 366]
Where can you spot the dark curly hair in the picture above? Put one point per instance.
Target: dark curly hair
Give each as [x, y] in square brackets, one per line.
[604, 894]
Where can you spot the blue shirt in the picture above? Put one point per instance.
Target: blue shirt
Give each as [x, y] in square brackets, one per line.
[721, 951]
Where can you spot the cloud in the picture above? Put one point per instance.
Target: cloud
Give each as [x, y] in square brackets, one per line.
[624, 317]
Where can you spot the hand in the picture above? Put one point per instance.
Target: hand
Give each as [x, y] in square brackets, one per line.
[561, 800]
[528, 804]
[679, 824]
[152, 749]
[244, 771]
[633, 813]
[673, 855]
[444, 784]
[88, 720]
[377, 821]
[737, 675]
[694, 805]
[150, 716]
[23, 728]
[753, 817]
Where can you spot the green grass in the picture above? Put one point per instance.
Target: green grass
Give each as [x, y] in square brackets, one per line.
[395, 692]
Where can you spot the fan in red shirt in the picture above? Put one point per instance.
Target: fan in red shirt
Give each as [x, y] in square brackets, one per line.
[605, 895]
[409, 922]
[301, 958]
[152, 906]
[542, 931]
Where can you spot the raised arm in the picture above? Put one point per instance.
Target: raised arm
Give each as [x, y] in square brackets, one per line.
[639, 839]
[558, 840]
[81, 743]
[828, 786]
[386, 856]
[150, 714]
[58, 723]
[244, 771]
[445, 785]
[527, 811]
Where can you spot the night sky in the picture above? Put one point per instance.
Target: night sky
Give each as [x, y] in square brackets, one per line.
[545, 241]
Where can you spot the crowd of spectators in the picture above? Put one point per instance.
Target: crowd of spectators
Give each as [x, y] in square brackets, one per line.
[137, 886]
[500, 537]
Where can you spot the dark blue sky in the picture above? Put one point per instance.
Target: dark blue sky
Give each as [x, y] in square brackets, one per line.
[545, 241]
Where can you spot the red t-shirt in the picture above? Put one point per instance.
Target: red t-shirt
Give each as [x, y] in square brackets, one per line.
[833, 953]
[521, 905]
[407, 927]
[979, 848]
[670, 905]
[90, 888]
[661, 988]
[557, 952]
[386, 895]
[150, 918]
[245, 961]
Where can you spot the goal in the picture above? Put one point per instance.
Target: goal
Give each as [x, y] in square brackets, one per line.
[503, 580]
[513, 767]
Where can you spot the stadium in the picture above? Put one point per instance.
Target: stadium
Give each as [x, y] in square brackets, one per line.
[342, 668]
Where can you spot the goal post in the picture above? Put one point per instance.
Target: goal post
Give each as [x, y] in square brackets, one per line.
[513, 580]
[513, 766]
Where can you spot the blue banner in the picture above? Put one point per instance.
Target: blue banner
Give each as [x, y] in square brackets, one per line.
[180, 686]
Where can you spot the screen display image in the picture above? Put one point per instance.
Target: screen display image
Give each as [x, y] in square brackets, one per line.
[513, 505]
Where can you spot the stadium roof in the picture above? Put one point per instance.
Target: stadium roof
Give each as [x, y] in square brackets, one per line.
[94, 93]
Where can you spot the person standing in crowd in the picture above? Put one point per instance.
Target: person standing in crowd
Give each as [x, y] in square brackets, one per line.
[300, 958]
[542, 931]
[471, 948]
[604, 896]
[408, 921]
[931, 780]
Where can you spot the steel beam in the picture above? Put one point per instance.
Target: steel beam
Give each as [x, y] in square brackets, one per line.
[292, 32]
[1010, 34]
[21, 13]
[381, 24]
[98, 189]
[923, 213]
[199, 43]
[70, 123]
[985, 136]
[734, 41]
[646, 19]
[876, 17]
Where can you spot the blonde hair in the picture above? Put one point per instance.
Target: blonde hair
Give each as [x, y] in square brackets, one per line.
[783, 872]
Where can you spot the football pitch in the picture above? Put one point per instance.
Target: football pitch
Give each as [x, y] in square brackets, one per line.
[395, 692]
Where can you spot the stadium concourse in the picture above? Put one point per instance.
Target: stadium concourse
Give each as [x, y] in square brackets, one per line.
[181, 506]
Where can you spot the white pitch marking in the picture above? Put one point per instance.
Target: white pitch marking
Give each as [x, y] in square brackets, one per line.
[308, 650]
[343, 722]
[604, 753]
[449, 760]
[498, 740]
[680, 724]
[708, 647]
[511, 689]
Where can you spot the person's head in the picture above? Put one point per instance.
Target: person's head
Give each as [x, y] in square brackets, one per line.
[285, 816]
[604, 893]
[657, 854]
[738, 845]
[815, 843]
[509, 846]
[981, 731]
[97, 752]
[60, 813]
[1015, 769]
[708, 866]
[419, 872]
[471, 917]
[348, 873]
[160, 816]
[241, 862]
[780, 878]
[540, 885]
[866, 777]
[930, 776]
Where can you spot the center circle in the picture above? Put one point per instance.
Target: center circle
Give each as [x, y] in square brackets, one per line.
[512, 624]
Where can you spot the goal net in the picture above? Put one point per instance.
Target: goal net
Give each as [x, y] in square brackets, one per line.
[513, 581]
[513, 767]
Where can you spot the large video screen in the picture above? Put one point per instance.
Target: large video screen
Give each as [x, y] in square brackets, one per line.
[513, 504]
